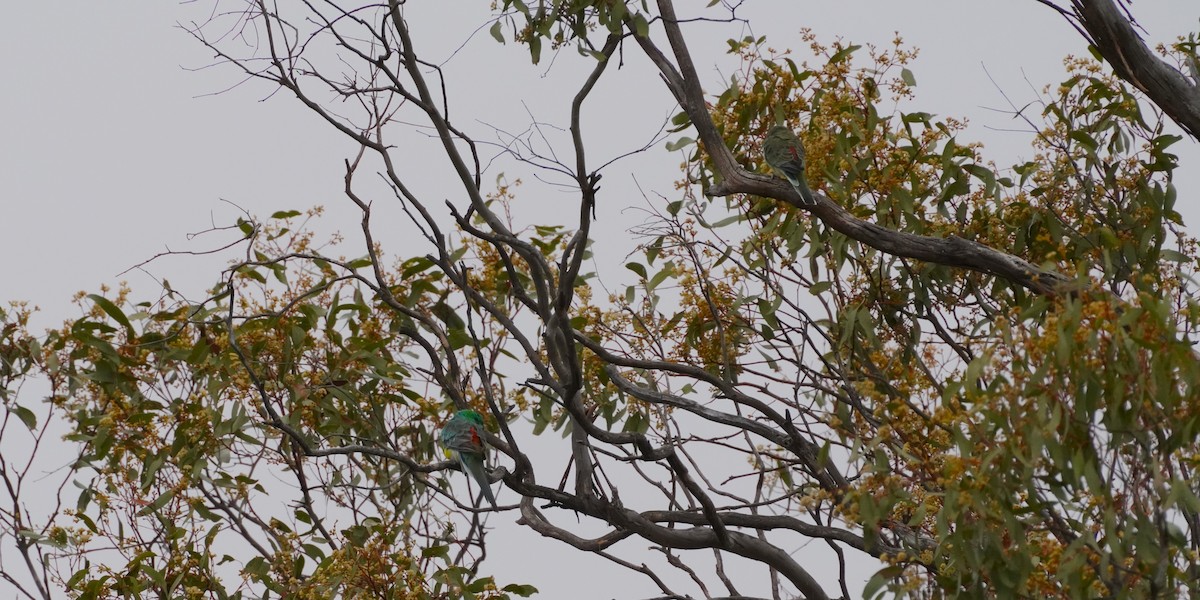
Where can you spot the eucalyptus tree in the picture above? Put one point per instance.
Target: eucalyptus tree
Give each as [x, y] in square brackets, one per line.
[978, 380]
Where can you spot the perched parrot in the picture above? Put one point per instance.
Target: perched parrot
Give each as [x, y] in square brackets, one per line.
[785, 155]
[462, 441]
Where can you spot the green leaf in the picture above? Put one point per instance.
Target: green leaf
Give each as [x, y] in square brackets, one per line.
[1175, 256]
[523, 591]
[682, 142]
[285, 214]
[880, 580]
[981, 173]
[480, 585]
[250, 272]
[27, 417]
[907, 77]
[112, 310]
[730, 220]
[1084, 139]
[495, 31]
[668, 270]
[257, 566]
[636, 423]
[158, 503]
[458, 338]
[359, 263]
[843, 54]
[640, 26]
[535, 49]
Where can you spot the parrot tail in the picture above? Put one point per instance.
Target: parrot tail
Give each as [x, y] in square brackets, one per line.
[801, 186]
[473, 465]
[806, 196]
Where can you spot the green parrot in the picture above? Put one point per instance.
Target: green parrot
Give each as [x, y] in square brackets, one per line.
[462, 441]
[785, 155]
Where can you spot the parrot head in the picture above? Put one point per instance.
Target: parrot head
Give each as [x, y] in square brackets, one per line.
[471, 416]
[781, 133]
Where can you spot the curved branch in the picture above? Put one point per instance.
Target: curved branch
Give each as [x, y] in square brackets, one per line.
[628, 522]
[1113, 35]
[825, 474]
[952, 251]
[767, 522]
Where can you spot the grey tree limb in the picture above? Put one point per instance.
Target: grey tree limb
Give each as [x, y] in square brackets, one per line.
[1112, 31]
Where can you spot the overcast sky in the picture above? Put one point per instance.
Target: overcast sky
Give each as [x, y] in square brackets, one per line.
[116, 143]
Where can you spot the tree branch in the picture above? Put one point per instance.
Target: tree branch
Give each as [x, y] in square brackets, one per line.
[952, 251]
[1113, 35]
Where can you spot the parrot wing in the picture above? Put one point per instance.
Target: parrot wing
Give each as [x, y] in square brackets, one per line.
[785, 155]
[461, 435]
[460, 438]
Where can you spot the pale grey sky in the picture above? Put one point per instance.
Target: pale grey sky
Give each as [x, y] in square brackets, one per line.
[114, 147]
